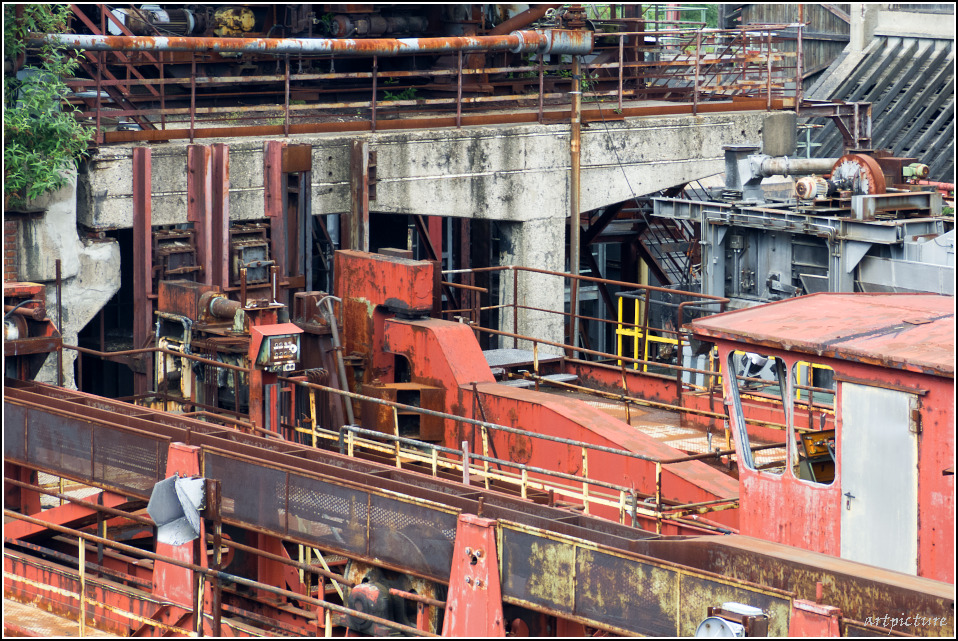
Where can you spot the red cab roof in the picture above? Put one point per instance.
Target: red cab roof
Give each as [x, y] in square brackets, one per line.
[914, 332]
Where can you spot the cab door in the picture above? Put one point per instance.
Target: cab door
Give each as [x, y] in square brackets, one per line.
[879, 477]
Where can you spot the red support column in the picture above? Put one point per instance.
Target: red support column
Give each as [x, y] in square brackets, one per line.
[172, 582]
[273, 193]
[142, 262]
[220, 223]
[474, 601]
[19, 498]
[199, 205]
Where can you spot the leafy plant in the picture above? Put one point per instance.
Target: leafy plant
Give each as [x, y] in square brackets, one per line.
[41, 139]
[409, 93]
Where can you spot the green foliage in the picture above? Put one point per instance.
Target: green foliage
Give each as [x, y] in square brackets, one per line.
[409, 93]
[40, 140]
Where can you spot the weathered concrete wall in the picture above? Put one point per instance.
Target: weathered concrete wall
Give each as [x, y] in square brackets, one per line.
[90, 270]
[509, 173]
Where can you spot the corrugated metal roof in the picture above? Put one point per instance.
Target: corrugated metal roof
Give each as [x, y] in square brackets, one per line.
[914, 332]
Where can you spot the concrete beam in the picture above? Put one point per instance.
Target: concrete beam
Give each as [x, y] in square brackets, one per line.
[508, 173]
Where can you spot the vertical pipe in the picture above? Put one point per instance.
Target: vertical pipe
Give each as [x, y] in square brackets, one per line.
[698, 58]
[515, 306]
[574, 228]
[82, 563]
[574, 320]
[213, 507]
[798, 69]
[98, 59]
[192, 96]
[768, 72]
[459, 92]
[143, 251]
[286, 100]
[162, 94]
[658, 497]
[375, 78]
[465, 462]
[541, 87]
[621, 63]
[585, 480]
[338, 348]
[60, 325]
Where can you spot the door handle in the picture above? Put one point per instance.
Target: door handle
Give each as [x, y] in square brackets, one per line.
[848, 500]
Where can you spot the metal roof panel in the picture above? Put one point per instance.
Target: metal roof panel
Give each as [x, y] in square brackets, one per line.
[914, 332]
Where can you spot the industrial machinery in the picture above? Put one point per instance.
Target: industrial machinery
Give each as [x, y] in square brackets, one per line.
[29, 335]
[862, 222]
[405, 549]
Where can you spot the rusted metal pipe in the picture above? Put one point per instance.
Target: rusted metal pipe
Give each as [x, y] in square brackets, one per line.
[524, 19]
[35, 313]
[558, 41]
[785, 166]
[574, 223]
[224, 308]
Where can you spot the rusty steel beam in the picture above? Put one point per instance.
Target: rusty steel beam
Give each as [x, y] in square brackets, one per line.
[591, 115]
[619, 551]
[555, 41]
[199, 205]
[142, 259]
[274, 193]
[358, 219]
[220, 217]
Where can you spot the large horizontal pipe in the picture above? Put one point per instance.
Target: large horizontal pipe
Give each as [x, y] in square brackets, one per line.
[558, 41]
[786, 166]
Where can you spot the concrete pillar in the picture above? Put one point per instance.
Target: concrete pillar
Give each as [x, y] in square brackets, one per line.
[538, 243]
[90, 270]
[863, 17]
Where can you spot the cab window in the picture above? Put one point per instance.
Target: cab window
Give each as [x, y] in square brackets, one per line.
[761, 392]
[813, 428]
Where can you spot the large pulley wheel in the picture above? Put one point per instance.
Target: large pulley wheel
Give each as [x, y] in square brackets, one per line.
[859, 174]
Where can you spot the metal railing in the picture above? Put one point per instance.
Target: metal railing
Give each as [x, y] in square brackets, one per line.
[654, 505]
[641, 329]
[200, 575]
[650, 59]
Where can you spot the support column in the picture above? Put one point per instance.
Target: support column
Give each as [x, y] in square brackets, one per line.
[355, 235]
[534, 243]
[199, 205]
[274, 193]
[142, 263]
[172, 582]
[474, 601]
[220, 221]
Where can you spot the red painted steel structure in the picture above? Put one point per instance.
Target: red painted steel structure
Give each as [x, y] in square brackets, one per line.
[219, 241]
[445, 355]
[897, 342]
[199, 207]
